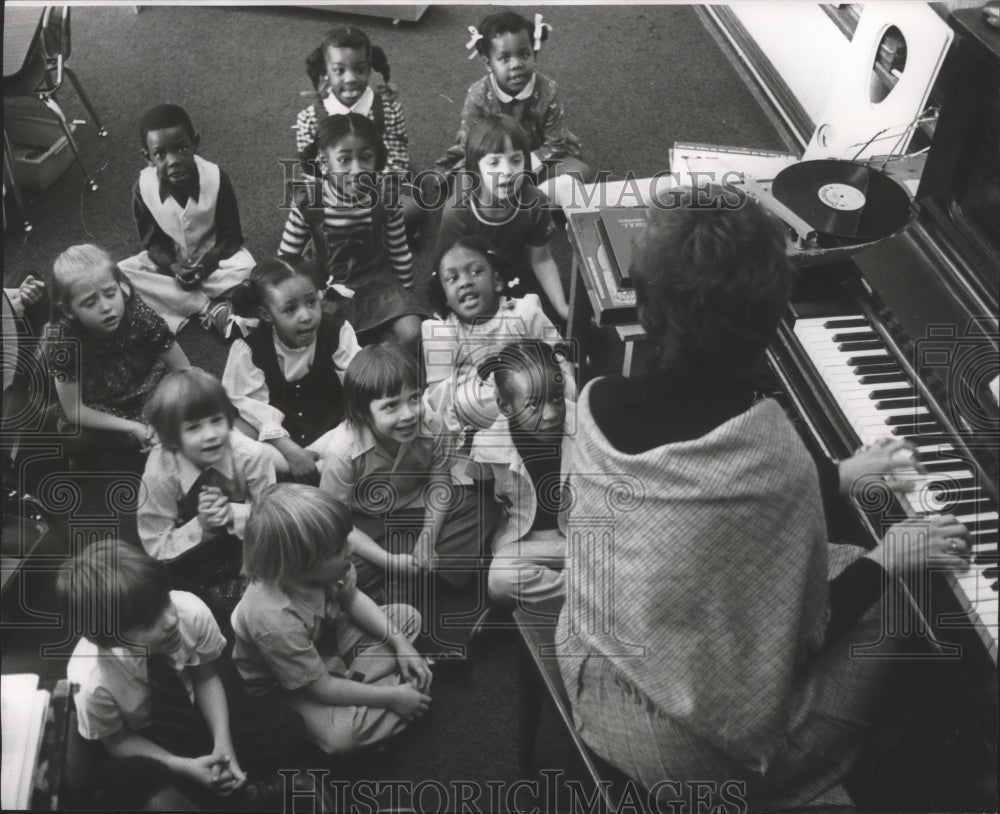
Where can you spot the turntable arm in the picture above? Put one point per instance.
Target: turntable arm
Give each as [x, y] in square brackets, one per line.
[805, 235]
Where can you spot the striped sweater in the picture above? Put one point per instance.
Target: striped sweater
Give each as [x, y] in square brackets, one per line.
[341, 213]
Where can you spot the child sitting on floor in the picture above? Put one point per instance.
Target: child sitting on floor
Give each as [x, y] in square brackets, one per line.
[285, 376]
[107, 350]
[341, 72]
[509, 44]
[389, 464]
[497, 201]
[150, 673]
[358, 237]
[198, 487]
[477, 321]
[305, 630]
[527, 451]
[189, 224]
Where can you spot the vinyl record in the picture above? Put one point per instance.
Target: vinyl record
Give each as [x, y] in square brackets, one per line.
[843, 200]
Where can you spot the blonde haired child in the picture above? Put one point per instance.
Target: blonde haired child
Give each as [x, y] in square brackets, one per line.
[107, 351]
[305, 629]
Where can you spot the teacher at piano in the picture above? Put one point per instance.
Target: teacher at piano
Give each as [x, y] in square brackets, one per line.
[706, 644]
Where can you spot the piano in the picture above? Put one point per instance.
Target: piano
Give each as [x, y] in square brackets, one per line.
[901, 339]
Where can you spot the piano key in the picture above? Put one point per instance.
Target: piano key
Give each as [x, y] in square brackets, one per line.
[842, 322]
[852, 345]
[853, 335]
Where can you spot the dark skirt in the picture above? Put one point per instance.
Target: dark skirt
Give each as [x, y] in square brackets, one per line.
[378, 301]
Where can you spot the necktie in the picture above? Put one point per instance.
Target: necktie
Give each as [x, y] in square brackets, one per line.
[175, 723]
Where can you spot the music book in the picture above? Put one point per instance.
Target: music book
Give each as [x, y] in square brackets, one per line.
[23, 718]
[619, 227]
[699, 164]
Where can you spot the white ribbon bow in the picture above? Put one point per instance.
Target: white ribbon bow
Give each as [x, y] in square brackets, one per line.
[471, 44]
[540, 29]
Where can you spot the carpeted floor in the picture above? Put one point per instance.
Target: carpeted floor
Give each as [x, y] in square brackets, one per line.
[633, 80]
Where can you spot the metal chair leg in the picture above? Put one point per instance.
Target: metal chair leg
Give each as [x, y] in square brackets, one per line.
[101, 130]
[8, 165]
[53, 105]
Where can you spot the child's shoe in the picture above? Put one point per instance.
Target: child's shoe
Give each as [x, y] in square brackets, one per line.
[218, 314]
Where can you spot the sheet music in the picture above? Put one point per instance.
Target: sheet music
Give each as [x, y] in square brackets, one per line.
[23, 716]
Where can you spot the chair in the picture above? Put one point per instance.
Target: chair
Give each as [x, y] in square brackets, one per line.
[42, 76]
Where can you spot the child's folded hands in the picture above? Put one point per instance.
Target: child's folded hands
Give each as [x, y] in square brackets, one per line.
[214, 511]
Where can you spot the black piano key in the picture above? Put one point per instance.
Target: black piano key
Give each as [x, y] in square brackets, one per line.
[860, 344]
[883, 377]
[854, 337]
[913, 418]
[994, 587]
[985, 559]
[889, 393]
[895, 404]
[912, 430]
[991, 573]
[847, 322]
[873, 361]
[941, 466]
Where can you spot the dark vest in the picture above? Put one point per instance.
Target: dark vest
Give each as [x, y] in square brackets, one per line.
[314, 404]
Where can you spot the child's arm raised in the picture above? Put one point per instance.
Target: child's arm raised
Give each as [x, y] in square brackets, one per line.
[547, 272]
[210, 696]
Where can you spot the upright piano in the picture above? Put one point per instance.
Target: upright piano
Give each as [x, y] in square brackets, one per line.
[901, 339]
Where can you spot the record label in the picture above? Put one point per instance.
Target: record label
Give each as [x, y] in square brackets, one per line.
[842, 196]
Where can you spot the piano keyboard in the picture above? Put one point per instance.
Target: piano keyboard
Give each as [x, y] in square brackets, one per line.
[879, 400]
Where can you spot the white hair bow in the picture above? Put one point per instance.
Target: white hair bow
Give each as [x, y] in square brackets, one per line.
[540, 29]
[473, 39]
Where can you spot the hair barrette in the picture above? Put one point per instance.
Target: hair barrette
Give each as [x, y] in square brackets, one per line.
[473, 39]
[540, 31]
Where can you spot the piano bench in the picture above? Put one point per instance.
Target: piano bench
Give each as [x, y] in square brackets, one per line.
[538, 678]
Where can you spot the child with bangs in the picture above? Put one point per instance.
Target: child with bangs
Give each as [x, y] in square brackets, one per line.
[306, 632]
[496, 200]
[199, 485]
[389, 464]
[161, 729]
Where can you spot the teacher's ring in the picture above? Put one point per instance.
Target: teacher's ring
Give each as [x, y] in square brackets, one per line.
[954, 546]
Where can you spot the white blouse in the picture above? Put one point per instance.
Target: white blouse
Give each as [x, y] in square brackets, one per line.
[247, 388]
